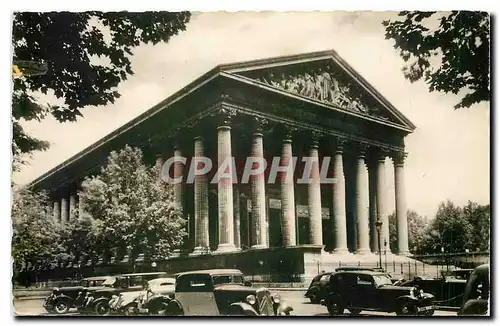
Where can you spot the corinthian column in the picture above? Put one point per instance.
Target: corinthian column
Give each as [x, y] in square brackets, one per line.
[314, 197]
[237, 235]
[401, 217]
[381, 201]
[159, 166]
[178, 169]
[225, 186]
[200, 202]
[57, 211]
[258, 229]
[72, 207]
[288, 231]
[81, 207]
[362, 217]
[339, 210]
[64, 210]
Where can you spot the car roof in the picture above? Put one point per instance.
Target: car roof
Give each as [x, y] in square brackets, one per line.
[95, 278]
[362, 272]
[162, 279]
[140, 274]
[211, 272]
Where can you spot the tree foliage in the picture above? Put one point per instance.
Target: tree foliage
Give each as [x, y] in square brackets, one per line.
[479, 218]
[449, 230]
[136, 212]
[87, 55]
[460, 43]
[454, 228]
[34, 232]
[416, 230]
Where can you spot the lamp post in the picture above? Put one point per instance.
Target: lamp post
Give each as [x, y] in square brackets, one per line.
[442, 255]
[385, 253]
[378, 225]
[153, 264]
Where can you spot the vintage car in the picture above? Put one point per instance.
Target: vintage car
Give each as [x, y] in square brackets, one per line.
[318, 291]
[113, 285]
[369, 290]
[222, 292]
[64, 298]
[151, 301]
[447, 289]
[477, 293]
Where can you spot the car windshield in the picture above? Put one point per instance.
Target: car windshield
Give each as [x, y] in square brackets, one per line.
[381, 280]
[110, 281]
[227, 279]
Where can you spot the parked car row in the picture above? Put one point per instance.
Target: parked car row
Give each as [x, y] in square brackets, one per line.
[205, 292]
[358, 289]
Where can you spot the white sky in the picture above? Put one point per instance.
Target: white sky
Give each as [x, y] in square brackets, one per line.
[448, 152]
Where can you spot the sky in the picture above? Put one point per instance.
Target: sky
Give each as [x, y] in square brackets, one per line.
[448, 152]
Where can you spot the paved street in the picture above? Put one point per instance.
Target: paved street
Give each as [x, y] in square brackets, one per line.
[301, 306]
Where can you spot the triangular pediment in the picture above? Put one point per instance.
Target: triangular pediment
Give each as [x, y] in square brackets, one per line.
[322, 77]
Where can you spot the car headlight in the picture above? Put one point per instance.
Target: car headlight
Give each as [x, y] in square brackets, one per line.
[421, 293]
[80, 293]
[251, 299]
[276, 298]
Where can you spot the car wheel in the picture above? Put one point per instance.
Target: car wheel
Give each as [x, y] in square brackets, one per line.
[355, 312]
[406, 309]
[335, 309]
[429, 313]
[61, 307]
[173, 310]
[102, 308]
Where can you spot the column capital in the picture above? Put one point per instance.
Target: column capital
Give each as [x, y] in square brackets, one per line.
[224, 116]
[399, 157]
[380, 153]
[315, 136]
[339, 144]
[361, 149]
[259, 124]
[288, 132]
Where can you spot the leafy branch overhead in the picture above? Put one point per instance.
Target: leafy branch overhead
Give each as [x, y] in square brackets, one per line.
[87, 55]
[450, 51]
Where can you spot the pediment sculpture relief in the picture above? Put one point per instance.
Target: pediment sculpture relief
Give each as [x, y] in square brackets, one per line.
[320, 85]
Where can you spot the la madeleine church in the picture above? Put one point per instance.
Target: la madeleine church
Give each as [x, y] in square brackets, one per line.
[312, 105]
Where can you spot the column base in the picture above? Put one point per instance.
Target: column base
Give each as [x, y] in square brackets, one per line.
[198, 251]
[404, 253]
[226, 247]
[363, 251]
[259, 246]
[340, 251]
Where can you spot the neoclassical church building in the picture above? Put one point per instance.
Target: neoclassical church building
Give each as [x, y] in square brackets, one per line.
[306, 105]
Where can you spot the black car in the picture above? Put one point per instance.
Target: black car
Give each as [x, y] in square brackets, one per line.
[370, 290]
[217, 292]
[114, 285]
[477, 292]
[64, 298]
[318, 291]
[447, 289]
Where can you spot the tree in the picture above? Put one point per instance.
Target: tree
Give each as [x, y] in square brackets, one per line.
[136, 211]
[79, 238]
[461, 43]
[479, 218]
[416, 230]
[87, 54]
[35, 235]
[449, 229]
